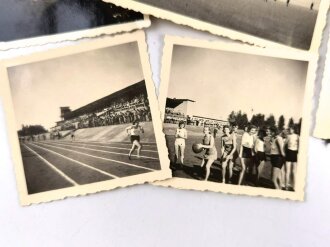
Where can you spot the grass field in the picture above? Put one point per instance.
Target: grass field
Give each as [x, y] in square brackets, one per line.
[272, 20]
[51, 165]
[192, 169]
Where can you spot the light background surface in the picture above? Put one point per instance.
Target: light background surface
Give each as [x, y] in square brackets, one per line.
[152, 216]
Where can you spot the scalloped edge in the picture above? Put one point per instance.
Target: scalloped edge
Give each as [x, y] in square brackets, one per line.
[164, 173]
[222, 31]
[190, 184]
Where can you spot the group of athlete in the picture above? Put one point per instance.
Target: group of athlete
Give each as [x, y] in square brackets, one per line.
[257, 146]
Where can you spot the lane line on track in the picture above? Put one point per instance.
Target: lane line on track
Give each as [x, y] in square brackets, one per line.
[103, 151]
[102, 158]
[62, 174]
[85, 143]
[123, 143]
[78, 162]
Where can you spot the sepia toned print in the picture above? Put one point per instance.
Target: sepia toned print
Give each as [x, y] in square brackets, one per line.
[31, 22]
[293, 23]
[241, 129]
[322, 117]
[83, 119]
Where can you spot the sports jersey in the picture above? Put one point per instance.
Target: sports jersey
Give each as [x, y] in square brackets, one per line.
[247, 140]
[259, 146]
[228, 142]
[275, 147]
[135, 131]
[267, 144]
[207, 141]
[181, 133]
[293, 142]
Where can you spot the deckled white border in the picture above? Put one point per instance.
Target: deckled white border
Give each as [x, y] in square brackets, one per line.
[311, 58]
[5, 94]
[322, 128]
[222, 31]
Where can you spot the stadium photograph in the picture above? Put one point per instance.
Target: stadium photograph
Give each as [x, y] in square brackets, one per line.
[287, 22]
[239, 126]
[86, 118]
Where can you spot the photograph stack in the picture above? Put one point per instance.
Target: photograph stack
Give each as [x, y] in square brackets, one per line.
[233, 115]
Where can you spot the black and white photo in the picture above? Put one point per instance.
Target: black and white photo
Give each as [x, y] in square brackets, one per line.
[35, 22]
[84, 119]
[235, 117]
[290, 23]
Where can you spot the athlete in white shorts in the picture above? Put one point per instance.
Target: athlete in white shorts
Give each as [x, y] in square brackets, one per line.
[134, 132]
[180, 142]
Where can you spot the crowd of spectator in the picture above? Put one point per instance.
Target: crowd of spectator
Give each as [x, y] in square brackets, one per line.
[117, 112]
[172, 116]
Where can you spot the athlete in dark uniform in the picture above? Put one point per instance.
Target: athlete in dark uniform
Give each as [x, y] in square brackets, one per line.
[228, 148]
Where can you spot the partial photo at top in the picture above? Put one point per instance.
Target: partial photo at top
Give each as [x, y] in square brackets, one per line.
[291, 23]
[36, 22]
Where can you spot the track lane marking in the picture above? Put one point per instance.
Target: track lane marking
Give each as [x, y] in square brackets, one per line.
[103, 151]
[98, 157]
[85, 143]
[62, 174]
[80, 163]
[149, 144]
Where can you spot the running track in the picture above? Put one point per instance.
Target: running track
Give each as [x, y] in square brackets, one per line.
[51, 165]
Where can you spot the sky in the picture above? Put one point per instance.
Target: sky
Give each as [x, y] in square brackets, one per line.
[40, 89]
[221, 82]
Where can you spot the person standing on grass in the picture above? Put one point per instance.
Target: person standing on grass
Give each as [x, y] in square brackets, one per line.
[228, 148]
[211, 153]
[246, 151]
[291, 157]
[134, 132]
[180, 142]
[259, 149]
[277, 156]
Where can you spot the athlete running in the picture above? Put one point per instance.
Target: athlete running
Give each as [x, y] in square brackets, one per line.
[72, 135]
[134, 132]
[228, 148]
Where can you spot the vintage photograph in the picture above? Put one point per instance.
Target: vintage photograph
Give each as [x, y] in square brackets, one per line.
[55, 19]
[242, 127]
[322, 117]
[294, 23]
[84, 119]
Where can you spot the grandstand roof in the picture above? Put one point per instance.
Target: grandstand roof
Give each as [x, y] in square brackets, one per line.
[172, 103]
[132, 90]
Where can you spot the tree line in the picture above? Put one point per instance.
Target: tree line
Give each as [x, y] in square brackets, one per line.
[28, 130]
[260, 120]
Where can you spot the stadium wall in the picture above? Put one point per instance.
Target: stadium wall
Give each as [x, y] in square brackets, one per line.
[113, 133]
